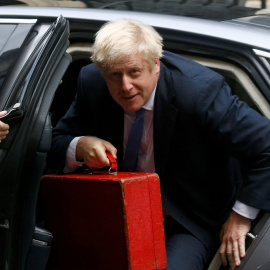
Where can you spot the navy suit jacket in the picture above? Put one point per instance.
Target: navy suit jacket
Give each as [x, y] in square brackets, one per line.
[210, 148]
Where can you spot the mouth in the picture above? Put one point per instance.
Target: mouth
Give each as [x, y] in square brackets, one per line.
[129, 98]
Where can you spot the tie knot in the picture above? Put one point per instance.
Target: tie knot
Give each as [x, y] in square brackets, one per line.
[140, 113]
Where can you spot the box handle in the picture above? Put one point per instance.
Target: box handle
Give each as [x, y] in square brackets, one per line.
[111, 170]
[113, 166]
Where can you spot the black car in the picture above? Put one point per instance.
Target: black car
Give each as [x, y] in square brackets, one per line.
[41, 52]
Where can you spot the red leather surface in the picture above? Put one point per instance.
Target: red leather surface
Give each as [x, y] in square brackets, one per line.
[112, 160]
[105, 222]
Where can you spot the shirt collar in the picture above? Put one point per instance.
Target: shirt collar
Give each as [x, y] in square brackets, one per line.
[149, 105]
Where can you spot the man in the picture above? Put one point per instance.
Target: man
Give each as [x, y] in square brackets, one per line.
[3, 127]
[211, 151]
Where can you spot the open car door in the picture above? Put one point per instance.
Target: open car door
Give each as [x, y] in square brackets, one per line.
[26, 94]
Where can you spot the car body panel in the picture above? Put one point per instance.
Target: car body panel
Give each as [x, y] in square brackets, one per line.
[182, 24]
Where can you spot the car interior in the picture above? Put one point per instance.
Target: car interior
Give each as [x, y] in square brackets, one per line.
[238, 79]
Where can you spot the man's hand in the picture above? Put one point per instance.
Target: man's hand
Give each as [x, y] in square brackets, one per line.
[232, 237]
[92, 151]
[3, 127]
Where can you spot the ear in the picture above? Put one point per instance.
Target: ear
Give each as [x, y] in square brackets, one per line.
[157, 66]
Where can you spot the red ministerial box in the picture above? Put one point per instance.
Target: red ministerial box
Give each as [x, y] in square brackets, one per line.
[105, 222]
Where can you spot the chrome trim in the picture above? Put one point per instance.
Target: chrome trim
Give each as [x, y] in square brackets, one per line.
[18, 20]
[114, 172]
[40, 243]
[251, 236]
[262, 53]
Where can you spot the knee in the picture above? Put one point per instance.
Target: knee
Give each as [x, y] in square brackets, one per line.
[185, 252]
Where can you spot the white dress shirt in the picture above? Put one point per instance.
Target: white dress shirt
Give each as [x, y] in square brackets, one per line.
[146, 152]
[146, 161]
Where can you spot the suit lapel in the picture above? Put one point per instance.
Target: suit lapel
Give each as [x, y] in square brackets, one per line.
[165, 115]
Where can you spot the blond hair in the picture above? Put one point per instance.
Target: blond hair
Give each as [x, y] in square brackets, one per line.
[119, 39]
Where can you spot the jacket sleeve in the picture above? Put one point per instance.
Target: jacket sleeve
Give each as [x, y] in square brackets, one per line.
[76, 122]
[241, 132]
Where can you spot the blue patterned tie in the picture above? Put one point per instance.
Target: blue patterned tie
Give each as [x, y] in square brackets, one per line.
[134, 142]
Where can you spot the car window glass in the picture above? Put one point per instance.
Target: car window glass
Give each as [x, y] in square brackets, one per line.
[6, 31]
[12, 37]
[6, 56]
[23, 86]
[240, 83]
[266, 62]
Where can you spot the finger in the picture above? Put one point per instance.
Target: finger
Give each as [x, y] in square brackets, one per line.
[236, 253]
[100, 154]
[230, 256]
[110, 148]
[222, 253]
[3, 134]
[226, 252]
[242, 246]
[3, 126]
[3, 131]
[93, 160]
[2, 137]
[231, 261]
[2, 113]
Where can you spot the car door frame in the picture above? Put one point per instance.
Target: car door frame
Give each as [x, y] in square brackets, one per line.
[23, 164]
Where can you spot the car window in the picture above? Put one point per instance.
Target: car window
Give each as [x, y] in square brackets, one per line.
[240, 83]
[12, 37]
[265, 58]
[6, 31]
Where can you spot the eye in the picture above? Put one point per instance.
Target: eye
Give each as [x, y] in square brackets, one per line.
[115, 76]
[134, 72]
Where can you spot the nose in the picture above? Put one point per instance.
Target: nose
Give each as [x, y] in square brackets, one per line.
[126, 83]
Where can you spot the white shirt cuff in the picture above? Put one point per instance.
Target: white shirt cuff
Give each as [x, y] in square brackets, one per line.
[71, 163]
[245, 210]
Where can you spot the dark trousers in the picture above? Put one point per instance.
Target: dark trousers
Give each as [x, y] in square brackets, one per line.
[184, 250]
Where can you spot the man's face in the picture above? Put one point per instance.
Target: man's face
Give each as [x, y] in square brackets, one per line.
[131, 82]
